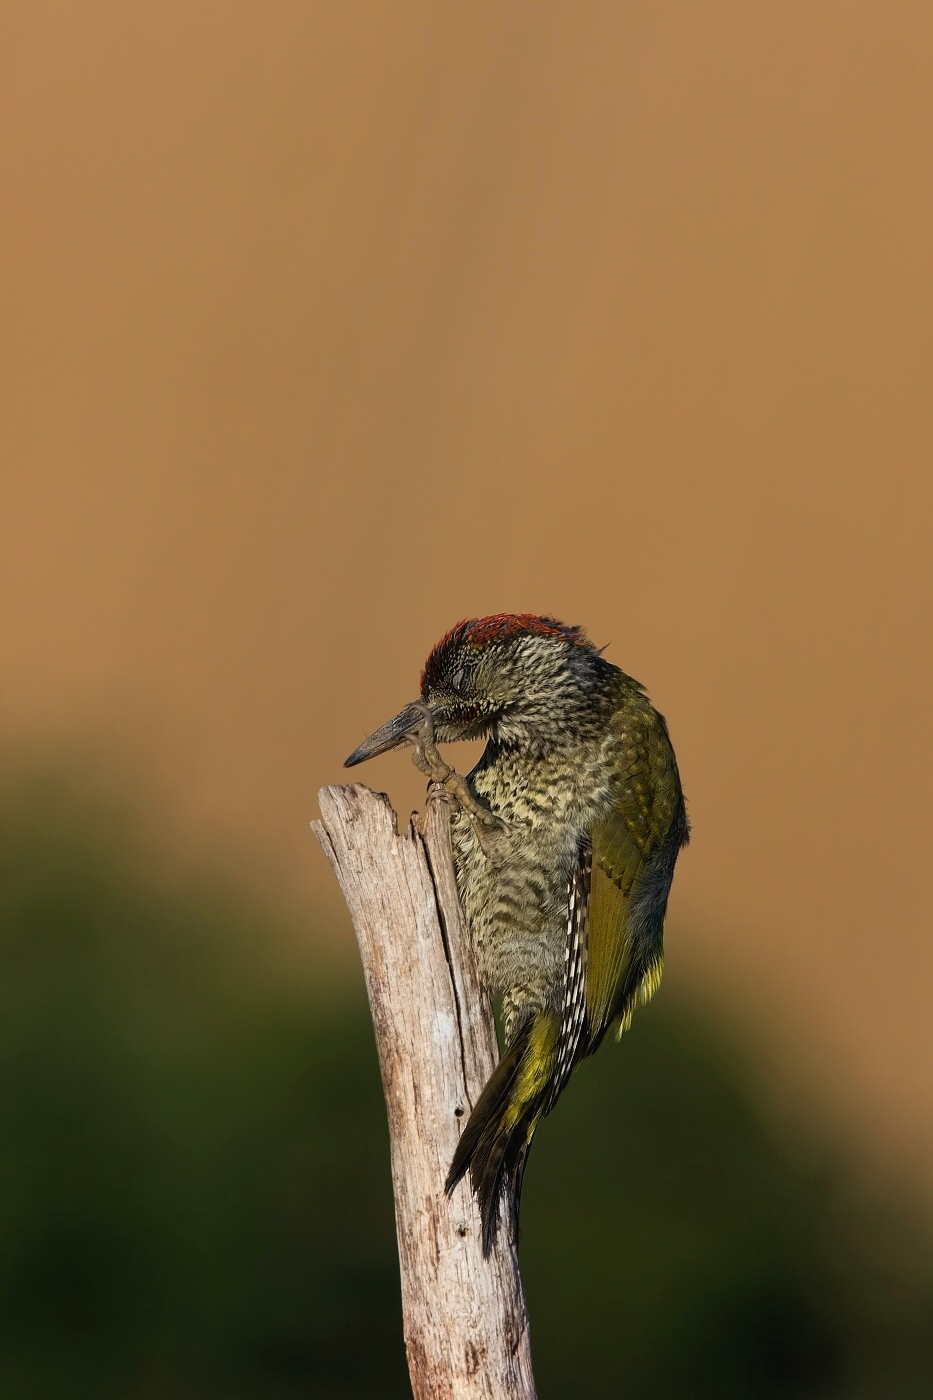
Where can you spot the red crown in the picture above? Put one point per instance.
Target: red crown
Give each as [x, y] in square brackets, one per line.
[478, 632]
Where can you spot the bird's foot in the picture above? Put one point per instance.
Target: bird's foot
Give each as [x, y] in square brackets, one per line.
[450, 786]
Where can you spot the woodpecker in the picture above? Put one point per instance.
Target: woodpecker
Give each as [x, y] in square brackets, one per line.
[565, 836]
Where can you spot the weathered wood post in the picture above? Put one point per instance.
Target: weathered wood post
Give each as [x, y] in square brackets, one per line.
[466, 1326]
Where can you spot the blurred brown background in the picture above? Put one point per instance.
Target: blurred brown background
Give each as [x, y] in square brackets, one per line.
[326, 325]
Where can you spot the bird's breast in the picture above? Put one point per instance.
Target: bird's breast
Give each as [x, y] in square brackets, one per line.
[516, 905]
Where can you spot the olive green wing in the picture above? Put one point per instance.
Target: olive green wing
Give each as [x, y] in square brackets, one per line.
[633, 855]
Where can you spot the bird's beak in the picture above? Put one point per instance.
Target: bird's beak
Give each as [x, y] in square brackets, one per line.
[397, 731]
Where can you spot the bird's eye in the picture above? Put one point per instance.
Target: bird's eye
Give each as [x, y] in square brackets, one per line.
[456, 679]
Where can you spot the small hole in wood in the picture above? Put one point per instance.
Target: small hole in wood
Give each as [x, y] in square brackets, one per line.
[458, 1112]
[461, 1230]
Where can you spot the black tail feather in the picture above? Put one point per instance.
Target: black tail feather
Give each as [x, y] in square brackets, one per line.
[493, 1149]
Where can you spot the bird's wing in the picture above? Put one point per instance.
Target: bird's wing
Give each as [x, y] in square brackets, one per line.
[574, 1006]
[633, 854]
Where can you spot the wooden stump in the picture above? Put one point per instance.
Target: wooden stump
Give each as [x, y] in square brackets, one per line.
[466, 1325]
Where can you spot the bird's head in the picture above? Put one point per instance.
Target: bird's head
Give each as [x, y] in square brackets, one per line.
[507, 676]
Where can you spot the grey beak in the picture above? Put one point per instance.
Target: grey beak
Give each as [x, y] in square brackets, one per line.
[390, 735]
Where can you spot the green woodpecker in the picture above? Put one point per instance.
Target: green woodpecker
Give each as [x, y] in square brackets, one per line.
[565, 836]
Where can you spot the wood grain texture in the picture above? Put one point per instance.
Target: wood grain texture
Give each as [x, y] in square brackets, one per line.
[466, 1326]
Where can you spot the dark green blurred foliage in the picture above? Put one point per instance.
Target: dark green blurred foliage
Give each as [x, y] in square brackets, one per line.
[194, 1183]
[671, 1246]
[194, 1199]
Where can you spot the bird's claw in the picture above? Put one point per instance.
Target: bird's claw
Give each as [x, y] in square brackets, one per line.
[450, 786]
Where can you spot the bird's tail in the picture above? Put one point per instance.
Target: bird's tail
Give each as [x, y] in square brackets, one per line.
[494, 1144]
